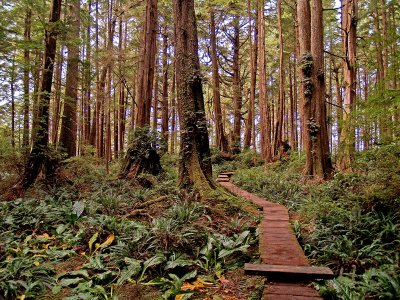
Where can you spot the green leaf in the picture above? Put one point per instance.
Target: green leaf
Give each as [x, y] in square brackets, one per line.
[92, 240]
[226, 252]
[133, 269]
[78, 208]
[181, 261]
[56, 289]
[153, 261]
[70, 281]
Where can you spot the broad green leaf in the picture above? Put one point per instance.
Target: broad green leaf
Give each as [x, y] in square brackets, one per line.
[70, 281]
[78, 208]
[133, 269]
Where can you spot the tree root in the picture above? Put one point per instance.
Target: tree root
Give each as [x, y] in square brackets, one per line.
[141, 207]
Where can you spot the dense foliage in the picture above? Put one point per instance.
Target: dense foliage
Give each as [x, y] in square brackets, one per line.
[351, 223]
[92, 236]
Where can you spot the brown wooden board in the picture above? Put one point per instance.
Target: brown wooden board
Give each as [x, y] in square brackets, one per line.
[289, 273]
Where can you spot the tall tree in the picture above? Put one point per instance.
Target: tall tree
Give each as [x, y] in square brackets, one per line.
[27, 39]
[313, 111]
[146, 65]
[222, 142]
[142, 156]
[69, 128]
[265, 119]
[281, 104]
[164, 102]
[249, 131]
[349, 30]
[195, 163]
[39, 156]
[237, 88]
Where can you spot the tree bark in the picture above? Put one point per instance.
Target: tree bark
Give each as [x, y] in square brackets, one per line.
[265, 121]
[313, 110]
[281, 104]
[146, 65]
[27, 39]
[222, 142]
[347, 137]
[237, 89]
[141, 155]
[69, 119]
[253, 77]
[195, 163]
[39, 157]
[164, 106]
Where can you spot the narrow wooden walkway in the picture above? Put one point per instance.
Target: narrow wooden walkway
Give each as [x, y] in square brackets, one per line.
[282, 259]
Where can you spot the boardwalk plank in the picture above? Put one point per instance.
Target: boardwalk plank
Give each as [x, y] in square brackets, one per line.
[282, 257]
[300, 273]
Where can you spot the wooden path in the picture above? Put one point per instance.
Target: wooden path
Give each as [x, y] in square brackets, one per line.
[282, 259]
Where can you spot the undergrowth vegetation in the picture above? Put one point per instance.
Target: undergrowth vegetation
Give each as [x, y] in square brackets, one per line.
[92, 236]
[351, 223]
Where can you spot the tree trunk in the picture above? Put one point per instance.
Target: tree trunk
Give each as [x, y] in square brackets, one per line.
[253, 77]
[173, 112]
[195, 163]
[281, 104]
[141, 155]
[164, 106]
[39, 156]
[347, 138]
[322, 165]
[121, 96]
[69, 118]
[265, 125]
[237, 90]
[96, 115]
[293, 104]
[313, 111]
[87, 81]
[146, 65]
[27, 39]
[222, 142]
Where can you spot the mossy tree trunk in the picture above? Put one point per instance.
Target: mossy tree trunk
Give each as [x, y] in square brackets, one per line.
[313, 110]
[39, 157]
[141, 155]
[195, 164]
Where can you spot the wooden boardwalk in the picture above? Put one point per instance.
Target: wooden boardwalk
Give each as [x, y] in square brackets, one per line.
[282, 259]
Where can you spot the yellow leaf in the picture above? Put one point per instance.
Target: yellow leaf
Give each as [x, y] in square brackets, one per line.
[45, 236]
[22, 297]
[97, 246]
[36, 263]
[188, 287]
[9, 257]
[15, 250]
[179, 297]
[108, 241]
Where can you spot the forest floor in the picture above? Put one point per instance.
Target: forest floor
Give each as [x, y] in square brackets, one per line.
[93, 236]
